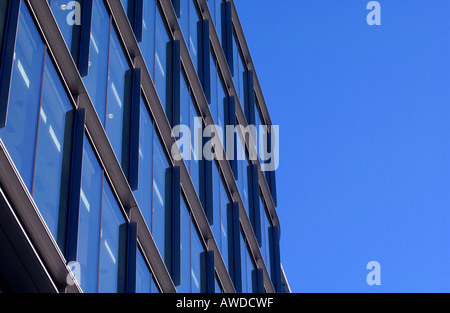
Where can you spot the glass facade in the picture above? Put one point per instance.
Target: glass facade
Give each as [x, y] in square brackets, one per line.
[191, 253]
[39, 124]
[78, 188]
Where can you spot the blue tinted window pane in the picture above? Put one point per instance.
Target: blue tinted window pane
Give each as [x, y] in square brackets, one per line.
[89, 220]
[218, 18]
[161, 194]
[196, 144]
[249, 271]
[221, 97]
[214, 105]
[143, 275]
[242, 180]
[184, 20]
[162, 40]
[53, 145]
[219, 228]
[194, 26]
[197, 249]
[97, 80]
[19, 135]
[265, 225]
[143, 194]
[216, 205]
[117, 100]
[185, 117]
[147, 45]
[224, 223]
[68, 16]
[246, 267]
[110, 247]
[185, 286]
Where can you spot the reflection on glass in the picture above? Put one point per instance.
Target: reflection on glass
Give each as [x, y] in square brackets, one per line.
[143, 194]
[97, 80]
[111, 244]
[118, 102]
[53, 152]
[89, 220]
[161, 60]
[197, 249]
[185, 231]
[143, 275]
[161, 194]
[147, 45]
[68, 16]
[19, 135]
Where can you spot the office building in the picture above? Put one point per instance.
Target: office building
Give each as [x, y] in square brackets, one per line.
[92, 198]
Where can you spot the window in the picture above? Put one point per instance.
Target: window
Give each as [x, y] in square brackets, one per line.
[218, 99]
[101, 234]
[161, 194]
[118, 103]
[191, 28]
[239, 71]
[243, 166]
[53, 150]
[39, 125]
[89, 220]
[68, 16]
[143, 194]
[109, 81]
[215, 8]
[147, 45]
[265, 225]
[144, 279]
[112, 244]
[246, 267]
[161, 61]
[219, 228]
[97, 81]
[191, 253]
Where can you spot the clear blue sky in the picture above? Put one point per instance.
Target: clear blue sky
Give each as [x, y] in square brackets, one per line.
[364, 115]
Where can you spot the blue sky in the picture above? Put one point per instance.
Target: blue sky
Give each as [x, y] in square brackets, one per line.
[364, 115]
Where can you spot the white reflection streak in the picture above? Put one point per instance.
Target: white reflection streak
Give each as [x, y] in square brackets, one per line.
[55, 140]
[195, 278]
[24, 75]
[116, 94]
[158, 61]
[85, 200]
[95, 44]
[44, 116]
[158, 193]
[110, 252]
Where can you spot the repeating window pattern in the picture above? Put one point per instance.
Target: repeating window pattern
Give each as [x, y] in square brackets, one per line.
[39, 123]
[39, 137]
[191, 253]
